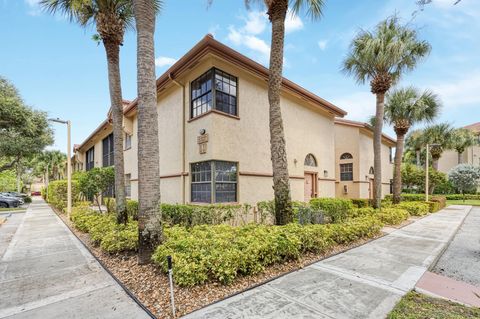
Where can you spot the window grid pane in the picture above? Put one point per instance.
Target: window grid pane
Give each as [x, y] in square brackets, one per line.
[346, 172]
[217, 176]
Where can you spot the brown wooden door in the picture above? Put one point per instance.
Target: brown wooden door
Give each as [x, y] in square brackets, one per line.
[371, 188]
[309, 190]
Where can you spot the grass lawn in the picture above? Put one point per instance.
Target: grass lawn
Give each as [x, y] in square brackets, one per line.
[11, 209]
[417, 306]
[473, 202]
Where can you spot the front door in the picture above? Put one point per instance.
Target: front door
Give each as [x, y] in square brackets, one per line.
[309, 186]
[371, 188]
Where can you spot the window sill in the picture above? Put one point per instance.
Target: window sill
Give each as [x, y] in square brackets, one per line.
[208, 204]
[126, 149]
[216, 112]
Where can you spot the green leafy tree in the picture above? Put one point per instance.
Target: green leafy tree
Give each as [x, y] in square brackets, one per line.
[93, 183]
[461, 140]
[439, 137]
[404, 108]
[111, 18]
[414, 144]
[465, 178]
[381, 57]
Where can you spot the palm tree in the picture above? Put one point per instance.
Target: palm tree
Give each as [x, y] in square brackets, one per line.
[461, 140]
[381, 57]
[439, 136]
[414, 142]
[277, 12]
[112, 18]
[149, 225]
[403, 109]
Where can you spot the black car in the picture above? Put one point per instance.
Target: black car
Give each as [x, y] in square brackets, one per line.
[20, 200]
[17, 194]
[9, 202]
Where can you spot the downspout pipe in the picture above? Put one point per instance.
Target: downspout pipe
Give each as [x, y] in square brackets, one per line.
[183, 134]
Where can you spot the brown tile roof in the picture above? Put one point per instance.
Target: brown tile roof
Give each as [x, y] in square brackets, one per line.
[209, 45]
[363, 125]
[475, 127]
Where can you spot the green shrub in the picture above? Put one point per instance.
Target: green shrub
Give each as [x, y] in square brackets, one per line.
[266, 210]
[392, 216]
[441, 200]
[57, 193]
[335, 208]
[304, 214]
[191, 215]
[433, 206]
[361, 202]
[408, 197]
[362, 212]
[132, 209]
[104, 230]
[460, 196]
[222, 252]
[414, 208]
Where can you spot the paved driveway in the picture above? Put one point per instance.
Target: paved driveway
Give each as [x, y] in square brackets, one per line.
[45, 272]
[365, 282]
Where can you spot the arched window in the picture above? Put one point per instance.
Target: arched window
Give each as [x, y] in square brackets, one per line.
[345, 156]
[371, 171]
[310, 160]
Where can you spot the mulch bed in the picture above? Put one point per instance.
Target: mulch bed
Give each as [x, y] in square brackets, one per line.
[151, 286]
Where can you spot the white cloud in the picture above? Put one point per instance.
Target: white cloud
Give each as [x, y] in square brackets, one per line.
[359, 105]
[322, 44]
[254, 43]
[34, 7]
[293, 23]
[164, 61]
[213, 29]
[255, 22]
[460, 93]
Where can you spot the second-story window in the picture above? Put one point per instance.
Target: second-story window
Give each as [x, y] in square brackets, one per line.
[90, 159]
[128, 141]
[107, 150]
[214, 89]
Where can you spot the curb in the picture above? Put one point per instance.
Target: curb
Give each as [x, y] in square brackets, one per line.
[129, 293]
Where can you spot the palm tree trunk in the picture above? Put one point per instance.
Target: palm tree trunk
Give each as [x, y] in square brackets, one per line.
[418, 158]
[149, 224]
[377, 149]
[397, 172]
[281, 183]
[113, 59]
[435, 163]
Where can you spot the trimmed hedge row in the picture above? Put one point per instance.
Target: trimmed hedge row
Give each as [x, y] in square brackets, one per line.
[221, 253]
[104, 231]
[57, 193]
[336, 209]
[192, 215]
[460, 197]
[132, 207]
[414, 208]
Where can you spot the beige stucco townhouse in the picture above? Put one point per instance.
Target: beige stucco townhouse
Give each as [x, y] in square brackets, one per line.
[214, 133]
[354, 154]
[471, 155]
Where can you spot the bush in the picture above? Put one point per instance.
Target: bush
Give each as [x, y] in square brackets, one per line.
[104, 230]
[131, 206]
[433, 206]
[304, 214]
[192, 215]
[441, 200]
[222, 252]
[414, 208]
[361, 202]
[335, 208]
[408, 197]
[362, 212]
[460, 196]
[57, 193]
[27, 199]
[392, 216]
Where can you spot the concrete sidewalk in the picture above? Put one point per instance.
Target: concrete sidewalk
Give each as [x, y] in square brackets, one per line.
[365, 282]
[45, 272]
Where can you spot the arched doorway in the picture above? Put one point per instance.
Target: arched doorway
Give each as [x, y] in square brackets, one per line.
[310, 177]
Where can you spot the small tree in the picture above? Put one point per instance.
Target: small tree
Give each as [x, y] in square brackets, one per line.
[465, 178]
[95, 182]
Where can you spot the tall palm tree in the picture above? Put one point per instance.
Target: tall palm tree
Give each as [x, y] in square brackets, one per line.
[381, 57]
[414, 142]
[277, 12]
[111, 18]
[461, 140]
[403, 109]
[149, 225]
[439, 136]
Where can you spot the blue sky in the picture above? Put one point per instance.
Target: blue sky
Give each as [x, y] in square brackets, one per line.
[59, 69]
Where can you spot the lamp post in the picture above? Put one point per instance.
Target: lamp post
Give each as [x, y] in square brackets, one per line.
[69, 164]
[426, 170]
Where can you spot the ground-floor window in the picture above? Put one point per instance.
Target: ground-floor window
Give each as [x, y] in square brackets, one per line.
[346, 172]
[214, 182]
[391, 186]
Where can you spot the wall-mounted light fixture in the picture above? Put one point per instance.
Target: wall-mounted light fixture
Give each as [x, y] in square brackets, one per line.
[202, 131]
[325, 173]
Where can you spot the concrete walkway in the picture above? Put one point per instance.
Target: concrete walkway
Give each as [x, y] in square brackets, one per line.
[365, 282]
[45, 272]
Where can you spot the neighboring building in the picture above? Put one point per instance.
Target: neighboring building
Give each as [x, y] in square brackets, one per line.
[471, 156]
[214, 138]
[354, 158]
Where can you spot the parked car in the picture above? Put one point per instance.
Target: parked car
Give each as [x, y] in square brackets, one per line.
[9, 195]
[36, 193]
[17, 194]
[9, 202]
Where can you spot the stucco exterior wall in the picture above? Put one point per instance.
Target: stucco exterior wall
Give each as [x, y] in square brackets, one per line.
[449, 158]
